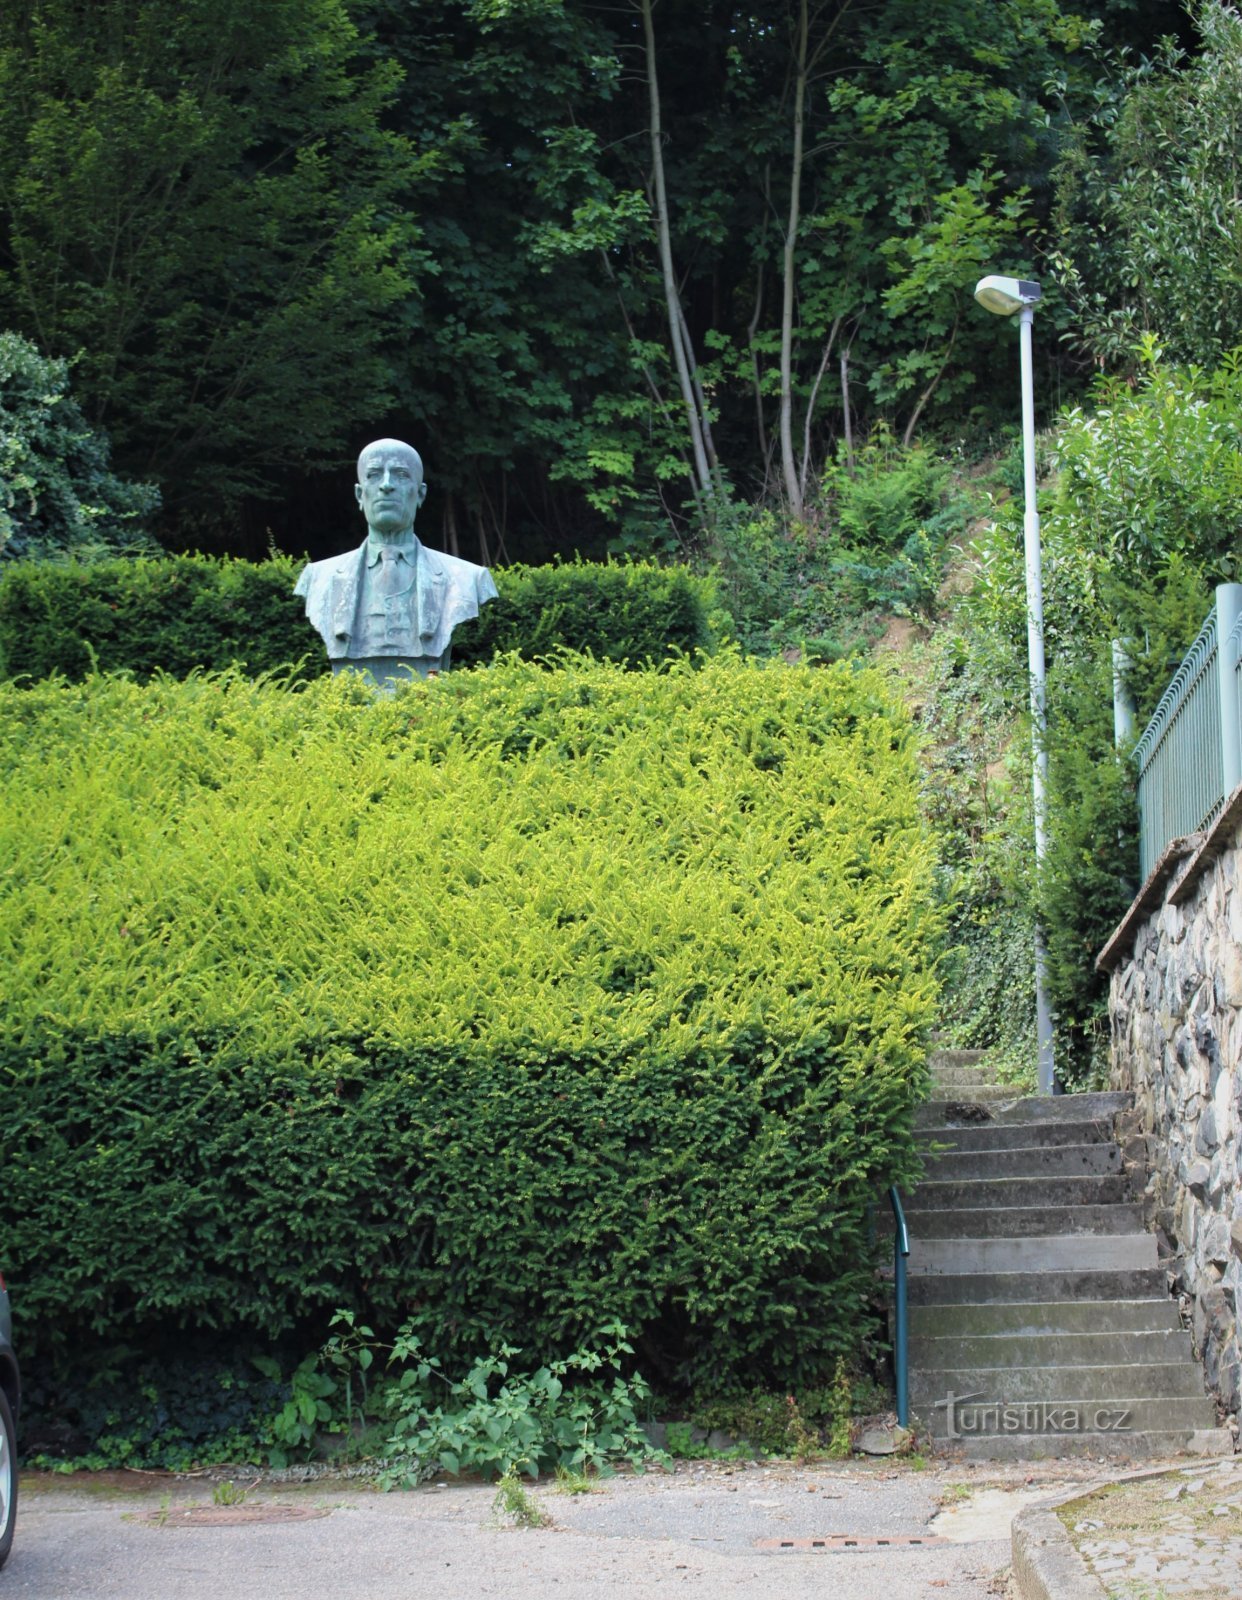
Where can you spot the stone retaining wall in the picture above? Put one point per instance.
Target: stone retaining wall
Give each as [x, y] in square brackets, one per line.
[1176, 1008]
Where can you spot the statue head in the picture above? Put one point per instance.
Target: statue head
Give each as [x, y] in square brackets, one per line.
[390, 486]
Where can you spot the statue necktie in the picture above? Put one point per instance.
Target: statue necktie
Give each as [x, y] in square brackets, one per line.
[391, 579]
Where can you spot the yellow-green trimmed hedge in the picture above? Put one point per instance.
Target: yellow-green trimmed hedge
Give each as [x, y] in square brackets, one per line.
[523, 999]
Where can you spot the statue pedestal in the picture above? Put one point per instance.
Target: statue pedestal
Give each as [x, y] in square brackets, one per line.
[388, 673]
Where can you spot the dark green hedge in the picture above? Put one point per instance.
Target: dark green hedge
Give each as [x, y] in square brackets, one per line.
[714, 1205]
[179, 613]
[524, 999]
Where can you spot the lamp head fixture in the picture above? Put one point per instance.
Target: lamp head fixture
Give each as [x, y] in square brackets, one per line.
[1006, 295]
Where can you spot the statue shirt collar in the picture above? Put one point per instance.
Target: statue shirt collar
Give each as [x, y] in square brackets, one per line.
[405, 544]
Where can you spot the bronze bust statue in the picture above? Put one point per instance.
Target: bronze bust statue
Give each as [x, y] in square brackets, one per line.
[388, 609]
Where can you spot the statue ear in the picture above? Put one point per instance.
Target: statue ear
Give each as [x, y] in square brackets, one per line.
[422, 491]
[358, 493]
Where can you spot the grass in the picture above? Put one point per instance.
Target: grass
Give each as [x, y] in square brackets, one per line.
[570, 1482]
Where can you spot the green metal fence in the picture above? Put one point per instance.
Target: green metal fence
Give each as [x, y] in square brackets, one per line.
[1188, 757]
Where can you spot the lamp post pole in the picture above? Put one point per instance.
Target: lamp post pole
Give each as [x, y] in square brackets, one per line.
[1005, 296]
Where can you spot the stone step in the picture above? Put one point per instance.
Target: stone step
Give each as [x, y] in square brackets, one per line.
[1038, 1108]
[1075, 1252]
[1148, 1347]
[976, 1094]
[967, 1319]
[1012, 1136]
[1181, 1413]
[1052, 1161]
[1132, 1414]
[940, 1059]
[1010, 1287]
[1170, 1380]
[1025, 1222]
[986, 1192]
[965, 1077]
[1128, 1444]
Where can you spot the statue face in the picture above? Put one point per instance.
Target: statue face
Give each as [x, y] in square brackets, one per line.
[390, 487]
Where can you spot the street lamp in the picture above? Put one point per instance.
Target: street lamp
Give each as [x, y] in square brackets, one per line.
[1004, 296]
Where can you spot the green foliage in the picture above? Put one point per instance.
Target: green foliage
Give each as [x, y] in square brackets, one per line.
[1091, 871]
[180, 614]
[887, 495]
[515, 1503]
[840, 1434]
[622, 611]
[573, 1483]
[58, 495]
[266, 233]
[1142, 517]
[202, 198]
[167, 614]
[519, 999]
[1150, 222]
[810, 1419]
[683, 1446]
[976, 787]
[168, 1414]
[873, 546]
[573, 1415]
[305, 1414]
[964, 229]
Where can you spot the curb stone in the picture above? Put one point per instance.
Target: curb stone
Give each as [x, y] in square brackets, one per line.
[1046, 1565]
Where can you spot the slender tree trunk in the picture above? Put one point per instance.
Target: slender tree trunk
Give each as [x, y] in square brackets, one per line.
[450, 526]
[805, 470]
[845, 409]
[648, 374]
[930, 389]
[700, 399]
[752, 329]
[789, 468]
[694, 421]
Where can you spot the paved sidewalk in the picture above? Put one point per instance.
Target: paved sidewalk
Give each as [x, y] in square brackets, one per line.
[1178, 1534]
[702, 1533]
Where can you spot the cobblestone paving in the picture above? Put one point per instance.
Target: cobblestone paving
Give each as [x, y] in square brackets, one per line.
[1165, 1537]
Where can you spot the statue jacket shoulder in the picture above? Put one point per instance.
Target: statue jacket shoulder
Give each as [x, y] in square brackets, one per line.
[448, 591]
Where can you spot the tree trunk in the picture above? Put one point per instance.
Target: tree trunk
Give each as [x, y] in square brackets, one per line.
[805, 471]
[672, 298]
[930, 389]
[789, 467]
[845, 409]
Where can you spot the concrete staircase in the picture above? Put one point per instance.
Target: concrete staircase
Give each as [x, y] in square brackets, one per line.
[1040, 1319]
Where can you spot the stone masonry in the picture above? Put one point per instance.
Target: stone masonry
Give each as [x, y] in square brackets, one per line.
[1176, 1009]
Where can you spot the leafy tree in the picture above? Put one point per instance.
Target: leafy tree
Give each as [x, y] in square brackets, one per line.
[1151, 200]
[629, 322]
[838, 176]
[200, 198]
[1142, 517]
[58, 494]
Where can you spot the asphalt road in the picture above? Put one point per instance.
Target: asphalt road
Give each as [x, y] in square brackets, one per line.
[702, 1533]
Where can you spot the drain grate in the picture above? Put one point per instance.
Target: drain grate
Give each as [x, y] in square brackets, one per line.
[856, 1541]
[227, 1516]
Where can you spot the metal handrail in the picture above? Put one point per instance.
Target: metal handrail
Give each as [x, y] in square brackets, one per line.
[901, 1353]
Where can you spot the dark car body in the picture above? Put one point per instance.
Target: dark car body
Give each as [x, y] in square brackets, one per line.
[10, 1406]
